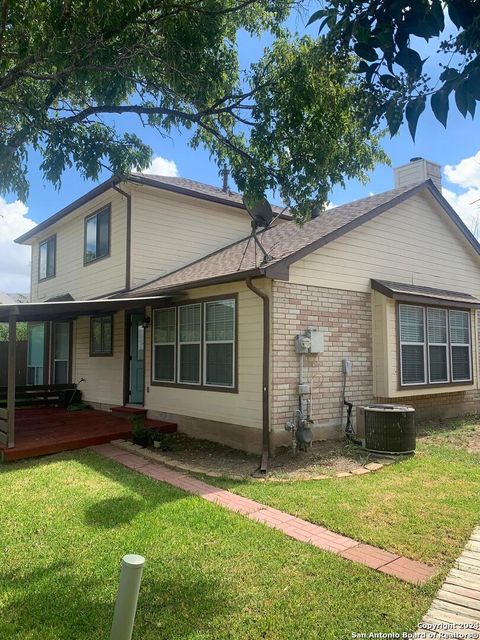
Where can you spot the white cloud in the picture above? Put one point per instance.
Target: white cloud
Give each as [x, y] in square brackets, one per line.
[162, 167]
[14, 258]
[466, 173]
[465, 194]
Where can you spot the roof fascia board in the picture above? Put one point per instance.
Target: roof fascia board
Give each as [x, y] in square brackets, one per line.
[419, 298]
[370, 215]
[453, 215]
[71, 308]
[141, 180]
[350, 226]
[149, 182]
[76, 204]
[206, 282]
[166, 186]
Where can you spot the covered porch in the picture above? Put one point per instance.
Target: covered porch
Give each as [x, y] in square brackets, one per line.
[38, 430]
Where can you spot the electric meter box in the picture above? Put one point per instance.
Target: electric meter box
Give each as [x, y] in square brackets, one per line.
[317, 340]
[302, 344]
[312, 341]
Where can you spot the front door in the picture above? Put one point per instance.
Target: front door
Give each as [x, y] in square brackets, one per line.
[137, 353]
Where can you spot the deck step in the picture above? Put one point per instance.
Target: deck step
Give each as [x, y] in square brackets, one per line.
[161, 426]
[129, 411]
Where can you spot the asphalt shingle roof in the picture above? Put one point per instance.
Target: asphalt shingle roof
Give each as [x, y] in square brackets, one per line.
[399, 289]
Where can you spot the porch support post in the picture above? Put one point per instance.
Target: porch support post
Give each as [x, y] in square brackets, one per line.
[12, 369]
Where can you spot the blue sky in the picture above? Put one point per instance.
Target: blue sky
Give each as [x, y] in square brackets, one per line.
[460, 142]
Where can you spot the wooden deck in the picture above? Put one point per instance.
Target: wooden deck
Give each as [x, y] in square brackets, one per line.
[455, 612]
[40, 431]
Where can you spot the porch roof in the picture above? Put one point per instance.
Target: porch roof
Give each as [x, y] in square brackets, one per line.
[37, 311]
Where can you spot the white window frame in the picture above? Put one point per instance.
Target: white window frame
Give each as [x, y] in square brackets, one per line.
[440, 344]
[165, 344]
[207, 342]
[459, 344]
[53, 347]
[413, 344]
[426, 351]
[189, 343]
[50, 241]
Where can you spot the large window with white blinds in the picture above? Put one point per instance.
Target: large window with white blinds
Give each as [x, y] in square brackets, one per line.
[195, 344]
[435, 345]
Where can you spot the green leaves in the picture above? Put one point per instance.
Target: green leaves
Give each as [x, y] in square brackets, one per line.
[297, 121]
[440, 105]
[394, 116]
[365, 51]
[412, 113]
[382, 34]
[410, 60]
[312, 122]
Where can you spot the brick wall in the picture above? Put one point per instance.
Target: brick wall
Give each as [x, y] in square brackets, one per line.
[346, 317]
[444, 405]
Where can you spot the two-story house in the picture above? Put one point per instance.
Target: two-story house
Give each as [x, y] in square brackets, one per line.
[156, 296]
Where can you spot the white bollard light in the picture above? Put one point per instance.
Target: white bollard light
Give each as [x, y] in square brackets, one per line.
[127, 597]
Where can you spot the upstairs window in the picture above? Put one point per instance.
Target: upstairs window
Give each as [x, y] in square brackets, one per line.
[47, 258]
[435, 345]
[101, 336]
[97, 235]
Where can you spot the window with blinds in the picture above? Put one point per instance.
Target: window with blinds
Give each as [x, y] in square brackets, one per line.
[435, 345]
[195, 344]
[460, 345]
[164, 341]
[189, 344]
[219, 342]
[412, 340]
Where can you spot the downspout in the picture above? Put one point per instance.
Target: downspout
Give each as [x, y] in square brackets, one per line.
[265, 374]
[128, 253]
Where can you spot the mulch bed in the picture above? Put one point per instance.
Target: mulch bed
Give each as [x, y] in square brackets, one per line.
[327, 458]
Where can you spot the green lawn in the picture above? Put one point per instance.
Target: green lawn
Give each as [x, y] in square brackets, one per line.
[67, 520]
[423, 507]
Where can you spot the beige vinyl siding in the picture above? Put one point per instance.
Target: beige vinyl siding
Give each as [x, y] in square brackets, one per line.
[103, 375]
[171, 230]
[242, 408]
[72, 276]
[413, 243]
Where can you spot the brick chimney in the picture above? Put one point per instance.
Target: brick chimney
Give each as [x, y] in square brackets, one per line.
[416, 171]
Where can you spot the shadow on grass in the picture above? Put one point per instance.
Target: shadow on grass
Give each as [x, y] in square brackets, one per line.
[57, 602]
[51, 603]
[113, 512]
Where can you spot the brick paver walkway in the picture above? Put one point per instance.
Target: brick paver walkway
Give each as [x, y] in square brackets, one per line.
[394, 565]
